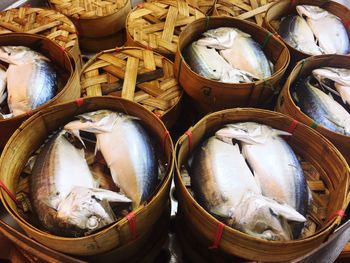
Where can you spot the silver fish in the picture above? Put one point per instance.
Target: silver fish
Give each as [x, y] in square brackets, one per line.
[320, 107]
[224, 185]
[208, 63]
[341, 78]
[327, 28]
[64, 193]
[297, 33]
[3, 93]
[238, 49]
[126, 148]
[31, 78]
[278, 173]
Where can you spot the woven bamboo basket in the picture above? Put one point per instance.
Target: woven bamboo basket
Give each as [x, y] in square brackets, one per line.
[37, 128]
[157, 25]
[253, 10]
[206, 6]
[68, 76]
[128, 68]
[286, 104]
[98, 18]
[49, 23]
[327, 178]
[285, 7]
[95, 45]
[210, 95]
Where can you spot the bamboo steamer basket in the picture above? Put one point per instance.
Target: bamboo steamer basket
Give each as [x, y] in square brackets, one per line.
[46, 22]
[95, 45]
[210, 95]
[157, 25]
[254, 10]
[94, 19]
[285, 7]
[68, 76]
[38, 127]
[333, 173]
[286, 104]
[162, 95]
[206, 6]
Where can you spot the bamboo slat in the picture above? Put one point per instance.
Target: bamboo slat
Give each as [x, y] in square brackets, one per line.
[66, 69]
[286, 104]
[210, 95]
[253, 10]
[46, 22]
[136, 74]
[206, 6]
[311, 148]
[118, 237]
[157, 25]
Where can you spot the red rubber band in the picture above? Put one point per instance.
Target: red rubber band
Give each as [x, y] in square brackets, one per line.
[166, 135]
[292, 126]
[10, 194]
[293, 4]
[141, 5]
[27, 6]
[190, 137]
[157, 114]
[340, 213]
[218, 236]
[132, 224]
[29, 113]
[118, 49]
[79, 101]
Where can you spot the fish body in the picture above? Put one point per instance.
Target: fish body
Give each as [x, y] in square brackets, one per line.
[328, 29]
[246, 54]
[341, 78]
[64, 193]
[126, 148]
[297, 33]
[3, 93]
[31, 78]
[208, 63]
[224, 185]
[322, 108]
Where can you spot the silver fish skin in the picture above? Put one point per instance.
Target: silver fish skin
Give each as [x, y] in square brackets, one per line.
[3, 93]
[327, 28]
[126, 148]
[64, 194]
[31, 78]
[208, 63]
[278, 173]
[224, 185]
[341, 78]
[320, 107]
[297, 33]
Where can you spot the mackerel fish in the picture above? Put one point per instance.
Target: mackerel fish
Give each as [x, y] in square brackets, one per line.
[3, 93]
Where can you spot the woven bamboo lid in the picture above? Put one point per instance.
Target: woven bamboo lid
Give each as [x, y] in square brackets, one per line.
[157, 25]
[243, 9]
[88, 8]
[204, 5]
[49, 23]
[133, 73]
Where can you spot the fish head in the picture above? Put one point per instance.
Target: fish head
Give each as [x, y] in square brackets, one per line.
[88, 208]
[311, 11]
[263, 217]
[220, 38]
[16, 54]
[338, 75]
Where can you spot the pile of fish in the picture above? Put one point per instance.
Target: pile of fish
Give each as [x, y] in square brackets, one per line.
[248, 176]
[314, 31]
[29, 81]
[66, 197]
[228, 55]
[313, 95]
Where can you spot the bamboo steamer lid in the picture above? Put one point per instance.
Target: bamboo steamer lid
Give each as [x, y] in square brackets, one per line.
[98, 18]
[206, 6]
[124, 67]
[157, 25]
[120, 234]
[46, 22]
[68, 76]
[254, 10]
[282, 8]
[286, 104]
[327, 178]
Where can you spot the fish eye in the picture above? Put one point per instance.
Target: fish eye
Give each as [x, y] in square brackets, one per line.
[92, 222]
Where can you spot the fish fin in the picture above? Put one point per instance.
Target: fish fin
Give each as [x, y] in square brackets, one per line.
[256, 177]
[110, 196]
[285, 211]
